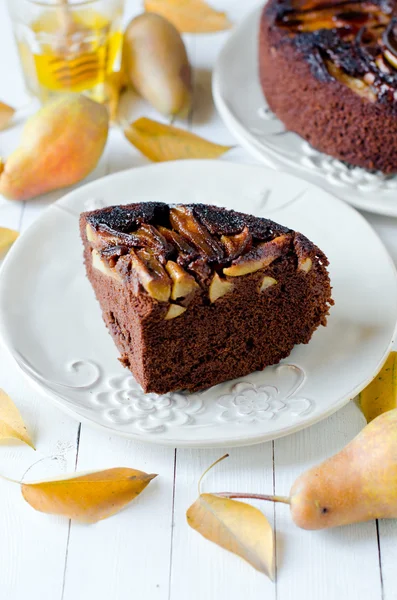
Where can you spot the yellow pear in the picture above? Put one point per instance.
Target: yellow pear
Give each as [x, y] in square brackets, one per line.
[60, 145]
[156, 64]
[357, 484]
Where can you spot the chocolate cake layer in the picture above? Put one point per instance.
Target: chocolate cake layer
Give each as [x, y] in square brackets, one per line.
[194, 295]
[329, 72]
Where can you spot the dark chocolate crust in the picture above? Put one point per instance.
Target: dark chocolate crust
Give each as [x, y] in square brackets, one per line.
[211, 341]
[307, 78]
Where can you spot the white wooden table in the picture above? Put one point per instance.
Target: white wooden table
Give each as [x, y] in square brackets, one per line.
[148, 552]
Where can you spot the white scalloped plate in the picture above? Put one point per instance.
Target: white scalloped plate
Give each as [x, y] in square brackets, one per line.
[242, 105]
[52, 325]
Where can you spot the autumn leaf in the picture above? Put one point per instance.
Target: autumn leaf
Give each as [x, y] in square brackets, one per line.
[161, 142]
[11, 424]
[6, 114]
[114, 86]
[381, 394]
[7, 238]
[87, 498]
[190, 16]
[237, 527]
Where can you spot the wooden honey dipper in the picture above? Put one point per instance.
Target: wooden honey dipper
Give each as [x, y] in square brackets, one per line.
[70, 66]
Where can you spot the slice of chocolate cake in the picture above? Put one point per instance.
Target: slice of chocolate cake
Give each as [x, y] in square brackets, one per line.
[194, 295]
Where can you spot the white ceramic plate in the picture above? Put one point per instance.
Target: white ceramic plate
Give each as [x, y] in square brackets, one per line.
[241, 103]
[51, 322]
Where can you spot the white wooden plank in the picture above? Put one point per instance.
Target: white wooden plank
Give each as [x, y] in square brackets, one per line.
[32, 545]
[338, 563]
[128, 554]
[201, 569]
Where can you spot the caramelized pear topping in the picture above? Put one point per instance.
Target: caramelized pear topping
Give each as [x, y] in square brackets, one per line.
[359, 86]
[305, 264]
[182, 219]
[101, 239]
[174, 311]
[349, 14]
[99, 264]
[147, 236]
[104, 240]
[391, 58]
[219, 287]
[260, 257]
[201, 270]
[90, 233]
[185, 252]
[238, 244]
[183, 249]
[113, 253]
[151, 274]
[353, 41]
[267, 282]
[183, 284]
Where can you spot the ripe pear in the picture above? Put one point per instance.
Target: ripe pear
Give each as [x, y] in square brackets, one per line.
[357, 484]
[60, 145]
[155, 63]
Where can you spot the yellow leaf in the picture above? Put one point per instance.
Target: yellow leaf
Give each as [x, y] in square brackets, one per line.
[161, 142]
[7, 238]
[190, 16]
[114, 86]
[237, 527]
[381, 394]
[6, 114]
[87, 498]
[11, 424]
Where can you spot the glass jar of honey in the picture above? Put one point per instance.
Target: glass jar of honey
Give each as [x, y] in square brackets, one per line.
[67, 46]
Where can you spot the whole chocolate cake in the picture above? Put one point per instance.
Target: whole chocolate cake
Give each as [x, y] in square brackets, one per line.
[194, 295]
[329, 72]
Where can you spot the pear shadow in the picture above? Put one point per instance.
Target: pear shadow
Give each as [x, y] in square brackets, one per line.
[354, 534]
[279, 550]
[203, 103]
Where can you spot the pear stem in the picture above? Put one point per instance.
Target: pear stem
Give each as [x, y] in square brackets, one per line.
[282, 499]
[209, 468]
